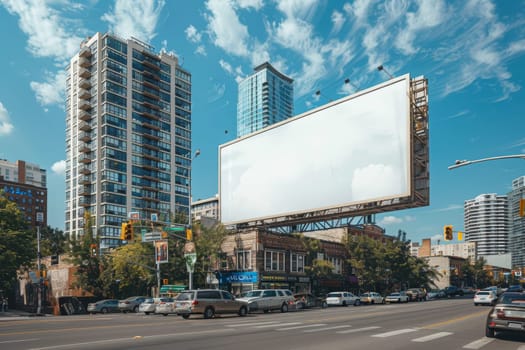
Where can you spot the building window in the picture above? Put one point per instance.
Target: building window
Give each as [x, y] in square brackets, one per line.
[338, 265]
[244, 260]
[274, 260]
[296, 262]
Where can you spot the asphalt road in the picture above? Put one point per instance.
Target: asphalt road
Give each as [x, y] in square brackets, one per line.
[438, 324]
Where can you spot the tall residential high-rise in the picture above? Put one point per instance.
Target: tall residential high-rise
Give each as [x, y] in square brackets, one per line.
[128, 136]
[487, 223]
[517, 230]
[265, 98]
[25, 184]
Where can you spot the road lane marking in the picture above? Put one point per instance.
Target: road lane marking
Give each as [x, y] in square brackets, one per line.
[251, 324]
[325, 329]
[457, 319]
[278, 325]
[392, 333]
[478, 343]
[432, 337]
[303, 326]
[355, 330]
[18, 340]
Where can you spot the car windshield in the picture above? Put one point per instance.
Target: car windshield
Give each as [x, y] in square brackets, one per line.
[185, 296]
[333, 295]
[395, 294]
[513, 299]
[253, 293]
[149, 301]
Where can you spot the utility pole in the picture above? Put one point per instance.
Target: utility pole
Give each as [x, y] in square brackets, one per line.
[39, 219]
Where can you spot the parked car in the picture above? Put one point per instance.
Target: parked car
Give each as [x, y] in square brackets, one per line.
[507, 315]
[149, 305]
[515, 288]
[342, 299]
[209, 302]
[166, 307]
[452, 291]
[495, 289]
[269, 299]
[485, 297]
[372, 298]
[397, 297]
[468, 290]
[435, 294]
[416, 294]
[103, 306]
[131, 304]
[307, 301]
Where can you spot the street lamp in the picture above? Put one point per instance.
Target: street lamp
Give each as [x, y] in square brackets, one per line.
[460, 163]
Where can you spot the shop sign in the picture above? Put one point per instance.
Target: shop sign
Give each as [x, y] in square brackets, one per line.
[239, 277]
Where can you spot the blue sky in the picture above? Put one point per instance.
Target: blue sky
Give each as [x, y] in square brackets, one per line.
[472, 52]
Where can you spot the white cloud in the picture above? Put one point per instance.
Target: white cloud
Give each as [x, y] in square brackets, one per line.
[226, 30]
[137, 18]
[52, 90]
[59, 167]
[5, 125]
[45, 27]
[389, 220]
[450, 207]
[201, 50]
[256, 4]
[338, 20]
[192, 34]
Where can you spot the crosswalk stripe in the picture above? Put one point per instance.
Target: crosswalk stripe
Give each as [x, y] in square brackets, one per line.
[303, 326]
[355, 330]
[478, 343]
[392, 333]
[278, 324]
[325, 329]
[432, 337]
[251, 324]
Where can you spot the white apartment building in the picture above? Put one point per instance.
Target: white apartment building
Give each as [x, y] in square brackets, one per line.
[128, 136]
[208, 208]
[487, 222]
[23, 172]
[465, 250]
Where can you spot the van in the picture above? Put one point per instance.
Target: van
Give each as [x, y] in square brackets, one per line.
[208, 302]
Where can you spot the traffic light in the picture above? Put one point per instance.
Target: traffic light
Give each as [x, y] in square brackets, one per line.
[189, 234]
[126, 233]
[460, 236]
[54, 259]
[522, 207]
[164, 281]
[93, 250]
[447, 232]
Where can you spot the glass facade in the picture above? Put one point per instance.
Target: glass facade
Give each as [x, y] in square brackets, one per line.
[264, 98]
[128, 136]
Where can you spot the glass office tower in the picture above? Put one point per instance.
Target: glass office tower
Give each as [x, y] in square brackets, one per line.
[128, 136]
[265, 98]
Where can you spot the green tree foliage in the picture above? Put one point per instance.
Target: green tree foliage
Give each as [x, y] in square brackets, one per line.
[208, 243]
[130, 269]
[17, 243]
[384, 267]
[52, 241]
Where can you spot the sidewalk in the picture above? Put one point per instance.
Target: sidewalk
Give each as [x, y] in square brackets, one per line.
[11, 315]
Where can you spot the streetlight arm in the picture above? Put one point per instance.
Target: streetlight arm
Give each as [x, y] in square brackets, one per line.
[460, 163]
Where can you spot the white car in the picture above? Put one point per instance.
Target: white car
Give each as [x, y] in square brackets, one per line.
[149, 305]
[342, 299]
[372, 298]
[485, 297]
[397, 297]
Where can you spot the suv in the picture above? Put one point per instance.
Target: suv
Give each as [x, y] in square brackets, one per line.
[417, 294]
[342, 299]
[452, 291]
[209, 302]
[269, 299]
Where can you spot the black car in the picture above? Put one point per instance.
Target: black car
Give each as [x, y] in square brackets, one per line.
[452, 291]
[508, 315]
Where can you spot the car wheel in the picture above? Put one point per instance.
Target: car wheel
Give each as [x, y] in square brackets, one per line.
[208, 313]
[266, 311]
[490, 332]
[284, 308]
[136, 309]
[373, 302]
[147, 313]
[357, 302]
[104, 310]
[166, 315]
[186, 316]
[476, 304]
[344, 303]
[324, 305]
[243, 311]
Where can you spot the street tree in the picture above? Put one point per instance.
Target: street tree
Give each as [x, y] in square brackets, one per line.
[208, 242]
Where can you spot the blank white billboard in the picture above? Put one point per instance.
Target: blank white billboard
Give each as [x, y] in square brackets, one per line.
[353, 150]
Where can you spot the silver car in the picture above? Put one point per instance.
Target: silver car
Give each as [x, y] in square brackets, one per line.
[103, 306]
[269, 299]
[150, 305]
[131, 304]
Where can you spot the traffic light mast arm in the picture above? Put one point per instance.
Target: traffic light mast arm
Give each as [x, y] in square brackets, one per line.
[460, 163]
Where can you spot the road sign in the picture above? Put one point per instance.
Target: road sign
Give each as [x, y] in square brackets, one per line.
[175, 228]
[154, 217]
[151, 236]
